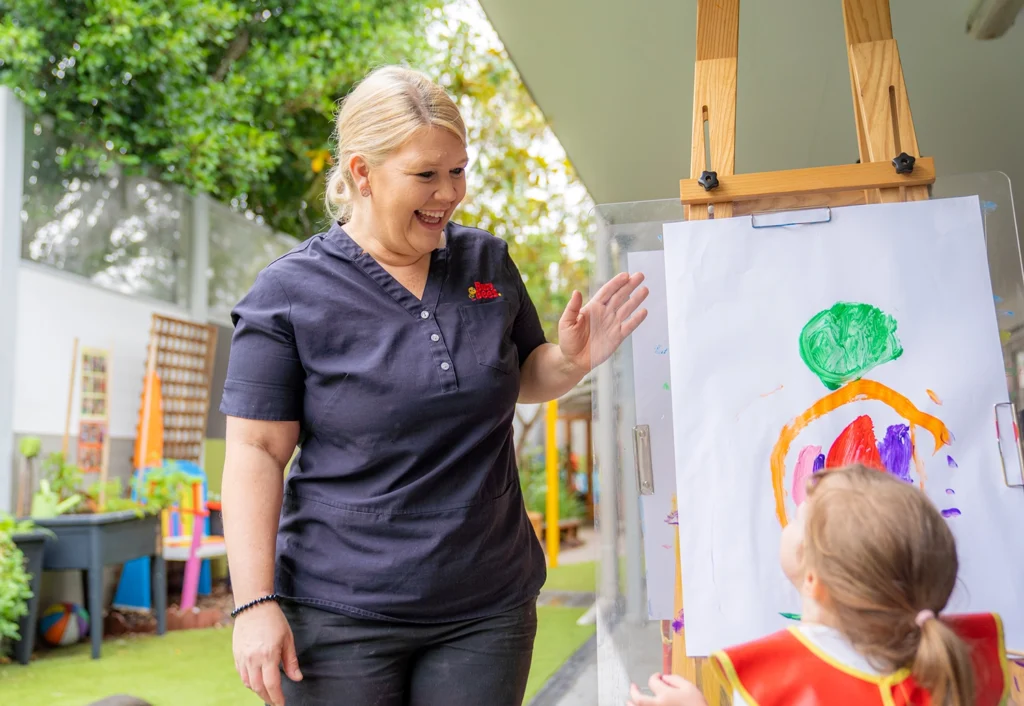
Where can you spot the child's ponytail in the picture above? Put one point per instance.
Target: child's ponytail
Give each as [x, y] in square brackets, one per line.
[942, 664]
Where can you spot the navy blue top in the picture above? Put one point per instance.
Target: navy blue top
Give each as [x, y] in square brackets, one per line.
[404, 501]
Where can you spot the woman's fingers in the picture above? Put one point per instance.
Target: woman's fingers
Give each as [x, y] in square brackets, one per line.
[638, 699]
[255, 684]
[625, 290]
[272, 683]
[631, 304]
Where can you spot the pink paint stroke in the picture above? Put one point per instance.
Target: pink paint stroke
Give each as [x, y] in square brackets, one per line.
[804, 470]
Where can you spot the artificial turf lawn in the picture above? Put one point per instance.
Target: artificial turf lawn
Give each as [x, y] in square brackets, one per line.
[573, 577]
[195, 667]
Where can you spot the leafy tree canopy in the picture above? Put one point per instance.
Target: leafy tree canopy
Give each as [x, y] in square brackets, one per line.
[236, 98]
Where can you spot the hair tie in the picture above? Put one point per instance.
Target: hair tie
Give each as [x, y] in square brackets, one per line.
[923, 617]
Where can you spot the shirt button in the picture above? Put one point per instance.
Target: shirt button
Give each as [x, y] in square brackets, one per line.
[434, 337]
[424, 314]
[445, 366]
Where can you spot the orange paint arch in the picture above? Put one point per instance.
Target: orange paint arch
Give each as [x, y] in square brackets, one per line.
[851, 392]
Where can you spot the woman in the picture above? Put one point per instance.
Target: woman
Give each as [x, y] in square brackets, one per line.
[392, 350]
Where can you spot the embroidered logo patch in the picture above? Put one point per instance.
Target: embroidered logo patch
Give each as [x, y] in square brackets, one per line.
[483, 290]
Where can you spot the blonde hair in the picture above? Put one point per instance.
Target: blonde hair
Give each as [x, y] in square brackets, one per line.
[376, 118]
[884, 553]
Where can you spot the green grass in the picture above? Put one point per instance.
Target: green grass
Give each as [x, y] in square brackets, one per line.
[573, 577]
[558, 636]
[195, 667]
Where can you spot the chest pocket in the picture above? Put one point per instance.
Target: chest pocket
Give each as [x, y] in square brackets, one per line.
[489, 326]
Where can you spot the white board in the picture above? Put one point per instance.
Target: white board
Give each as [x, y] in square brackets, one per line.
[651, 373]
[739, 302]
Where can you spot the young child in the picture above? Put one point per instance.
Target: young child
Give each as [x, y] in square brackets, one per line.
[875, 564]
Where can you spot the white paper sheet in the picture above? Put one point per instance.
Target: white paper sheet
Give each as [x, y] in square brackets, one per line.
[738, 300]
[651, 372]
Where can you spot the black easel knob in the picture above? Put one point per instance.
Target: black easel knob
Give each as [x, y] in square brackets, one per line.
[709, 180]
[904, 163]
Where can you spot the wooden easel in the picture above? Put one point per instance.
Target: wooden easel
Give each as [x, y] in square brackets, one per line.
[891, 168]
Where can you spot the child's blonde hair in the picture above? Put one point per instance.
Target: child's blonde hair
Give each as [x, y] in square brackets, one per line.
[377, 117]
[885, 553]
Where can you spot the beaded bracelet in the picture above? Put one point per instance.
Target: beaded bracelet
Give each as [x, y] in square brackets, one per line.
[250, 604]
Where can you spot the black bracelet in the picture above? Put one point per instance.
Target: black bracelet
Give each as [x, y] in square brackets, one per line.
[250, 604]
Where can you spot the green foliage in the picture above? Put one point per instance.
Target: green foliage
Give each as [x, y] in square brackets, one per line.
[162, 486]
[533, 480]
[64, 478]
[29, 446]
[14, 580]
[230, 97]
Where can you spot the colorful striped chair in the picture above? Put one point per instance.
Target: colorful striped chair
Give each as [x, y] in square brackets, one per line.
[179, 524]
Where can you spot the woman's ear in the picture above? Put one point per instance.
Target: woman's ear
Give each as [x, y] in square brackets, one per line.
[360, 174]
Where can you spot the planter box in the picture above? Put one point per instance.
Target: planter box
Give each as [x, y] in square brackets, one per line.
[32, 545]
[89, 542]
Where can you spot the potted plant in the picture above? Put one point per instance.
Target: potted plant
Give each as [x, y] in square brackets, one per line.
[88, 537]
[21, 568]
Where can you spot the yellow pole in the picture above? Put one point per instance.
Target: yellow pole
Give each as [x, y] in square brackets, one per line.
[551, 458]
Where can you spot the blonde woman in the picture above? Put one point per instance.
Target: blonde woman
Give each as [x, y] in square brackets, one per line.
[398, 566]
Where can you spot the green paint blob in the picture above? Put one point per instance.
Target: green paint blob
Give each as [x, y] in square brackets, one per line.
[844, 342]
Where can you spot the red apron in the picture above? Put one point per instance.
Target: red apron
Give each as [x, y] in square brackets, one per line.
[786, 669]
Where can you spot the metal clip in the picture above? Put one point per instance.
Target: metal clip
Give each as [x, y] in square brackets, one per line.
[1014, 438]
[642, 457]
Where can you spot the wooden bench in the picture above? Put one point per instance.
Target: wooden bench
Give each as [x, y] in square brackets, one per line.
[568, 531]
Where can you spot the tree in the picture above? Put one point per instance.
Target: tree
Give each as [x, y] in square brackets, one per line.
[229, 97]
[522, 186]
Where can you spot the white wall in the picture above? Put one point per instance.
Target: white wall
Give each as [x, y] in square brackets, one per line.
[53, 308]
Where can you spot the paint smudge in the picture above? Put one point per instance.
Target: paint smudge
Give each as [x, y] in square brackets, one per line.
[666, 546]
[951, 463]
[790, 616]
[856, 391]
[679, 623]
[855, 444]
[1016, 686]
[896, 450]
[951, 512]
[933, 396]
[1004, 336]
[998, 298]
[805, 463]
[950, 491]
[988, 206]
[772, 392]
[819, 463]
[842, 343]
[1007, 313]
[665, 385]
[673, 518]
[661, 350]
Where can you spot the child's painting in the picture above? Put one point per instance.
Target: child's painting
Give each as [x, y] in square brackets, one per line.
[871, 338]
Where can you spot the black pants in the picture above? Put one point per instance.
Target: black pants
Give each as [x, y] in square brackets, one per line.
[354, 662]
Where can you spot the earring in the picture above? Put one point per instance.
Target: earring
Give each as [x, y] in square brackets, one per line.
[365, 191]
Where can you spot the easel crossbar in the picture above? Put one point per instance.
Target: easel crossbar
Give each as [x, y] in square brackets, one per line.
[814, 180]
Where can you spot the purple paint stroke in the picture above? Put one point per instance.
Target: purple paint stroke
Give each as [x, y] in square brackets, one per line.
[1019, 662]
[1016, 686]
[673, 518]
[951, 462]
[951, 512]
[950, 491]
[896, 451]
[819, 463]
[679, 623]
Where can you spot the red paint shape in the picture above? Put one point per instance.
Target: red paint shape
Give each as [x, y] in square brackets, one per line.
[856, 444]
[485, 290]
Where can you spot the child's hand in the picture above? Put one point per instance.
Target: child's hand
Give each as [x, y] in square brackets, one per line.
[669, 690]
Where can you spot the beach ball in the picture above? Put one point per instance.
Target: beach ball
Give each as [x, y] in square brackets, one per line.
[63, 624]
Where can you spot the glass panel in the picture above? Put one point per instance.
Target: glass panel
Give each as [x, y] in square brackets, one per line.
[636, 582]
[128, 234]
[239, 249]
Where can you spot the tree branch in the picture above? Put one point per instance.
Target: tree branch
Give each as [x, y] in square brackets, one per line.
[239, 45]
